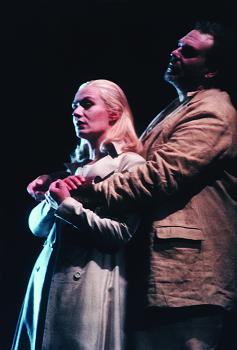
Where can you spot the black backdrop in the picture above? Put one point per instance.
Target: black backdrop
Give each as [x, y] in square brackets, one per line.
[48, 48]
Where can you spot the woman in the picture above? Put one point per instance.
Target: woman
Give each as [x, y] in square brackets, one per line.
[76, 295]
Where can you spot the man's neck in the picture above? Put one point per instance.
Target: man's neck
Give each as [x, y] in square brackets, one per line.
[182, 95]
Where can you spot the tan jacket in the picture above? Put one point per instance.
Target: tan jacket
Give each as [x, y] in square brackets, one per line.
[189, 185]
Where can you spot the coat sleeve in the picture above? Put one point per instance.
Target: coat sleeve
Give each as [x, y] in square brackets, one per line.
[41, 219]
[189, 149]
[106, 231]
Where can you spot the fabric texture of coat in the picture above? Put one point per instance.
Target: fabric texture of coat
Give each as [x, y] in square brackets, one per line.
[189, 187]
[76, 295]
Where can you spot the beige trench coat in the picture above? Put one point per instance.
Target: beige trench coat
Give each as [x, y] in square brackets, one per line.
[77, 290]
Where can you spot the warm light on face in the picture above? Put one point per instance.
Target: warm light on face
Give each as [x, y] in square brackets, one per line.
[90, 115]
[187, 67]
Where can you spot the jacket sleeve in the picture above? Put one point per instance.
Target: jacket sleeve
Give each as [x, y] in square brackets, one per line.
[41, 219]
[106, 231]
[188, 150]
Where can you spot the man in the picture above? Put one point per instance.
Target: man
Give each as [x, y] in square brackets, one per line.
[189, 184]
[187, 244]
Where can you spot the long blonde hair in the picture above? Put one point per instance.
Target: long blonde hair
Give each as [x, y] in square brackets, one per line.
[123, 129]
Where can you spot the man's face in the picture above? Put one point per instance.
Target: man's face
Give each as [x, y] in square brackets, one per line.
[187, 67]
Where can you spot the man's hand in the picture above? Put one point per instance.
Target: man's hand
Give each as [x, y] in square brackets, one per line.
[38, 187]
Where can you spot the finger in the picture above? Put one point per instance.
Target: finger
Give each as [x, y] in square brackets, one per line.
[70, 183]
[61, 185]
[77, 182]
[29, 190]
[54, 185]
[80, 178]
[39, 182]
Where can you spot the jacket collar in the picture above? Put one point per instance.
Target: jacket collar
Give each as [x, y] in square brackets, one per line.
[112, 149]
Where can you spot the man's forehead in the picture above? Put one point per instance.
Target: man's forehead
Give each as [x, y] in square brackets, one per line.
[197, 39]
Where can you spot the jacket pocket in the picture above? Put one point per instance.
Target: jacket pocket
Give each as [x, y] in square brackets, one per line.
[182, 232]
[177, 254]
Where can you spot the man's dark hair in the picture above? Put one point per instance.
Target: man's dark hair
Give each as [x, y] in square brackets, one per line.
[221, 56]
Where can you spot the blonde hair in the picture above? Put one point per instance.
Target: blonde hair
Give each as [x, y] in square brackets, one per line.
[116, 101]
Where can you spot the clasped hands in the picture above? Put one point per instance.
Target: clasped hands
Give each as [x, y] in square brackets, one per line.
[54, 192]
[61, 189]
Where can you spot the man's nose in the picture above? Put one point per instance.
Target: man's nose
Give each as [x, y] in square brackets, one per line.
[175, 54]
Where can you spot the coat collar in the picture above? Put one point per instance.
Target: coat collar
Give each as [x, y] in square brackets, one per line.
[112, 149]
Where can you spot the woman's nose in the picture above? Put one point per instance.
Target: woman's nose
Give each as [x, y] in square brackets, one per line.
[77, 111]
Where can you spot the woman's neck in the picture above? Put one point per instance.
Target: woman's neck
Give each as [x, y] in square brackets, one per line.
[96, 152]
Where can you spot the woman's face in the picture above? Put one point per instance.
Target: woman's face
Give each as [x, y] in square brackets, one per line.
[91, 119]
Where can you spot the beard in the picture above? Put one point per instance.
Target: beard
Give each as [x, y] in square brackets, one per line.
[183, 79]
[171, 76]
[173, 72]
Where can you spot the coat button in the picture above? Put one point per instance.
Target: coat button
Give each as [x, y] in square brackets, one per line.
[76, 276]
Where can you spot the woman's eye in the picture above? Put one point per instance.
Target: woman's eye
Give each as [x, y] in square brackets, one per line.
[86, 104]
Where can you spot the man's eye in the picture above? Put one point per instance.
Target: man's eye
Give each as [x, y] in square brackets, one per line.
[189, 52]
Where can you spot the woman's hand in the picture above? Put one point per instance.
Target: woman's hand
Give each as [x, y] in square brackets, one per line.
[73, 182]
[61, 189]
[58, 191]
[38, 187]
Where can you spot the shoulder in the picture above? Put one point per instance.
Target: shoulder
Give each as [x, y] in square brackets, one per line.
[212, 101]
[129, 159]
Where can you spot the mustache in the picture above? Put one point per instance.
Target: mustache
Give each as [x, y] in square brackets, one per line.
[174, 59]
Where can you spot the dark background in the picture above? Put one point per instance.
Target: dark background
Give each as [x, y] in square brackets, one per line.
[48, 48]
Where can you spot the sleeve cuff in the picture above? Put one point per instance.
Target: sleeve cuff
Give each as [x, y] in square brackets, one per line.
[69, 207]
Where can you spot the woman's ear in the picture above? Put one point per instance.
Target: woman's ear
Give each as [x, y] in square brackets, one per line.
[113, 117]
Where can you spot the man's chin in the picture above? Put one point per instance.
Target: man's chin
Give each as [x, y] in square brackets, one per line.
[170, 77]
